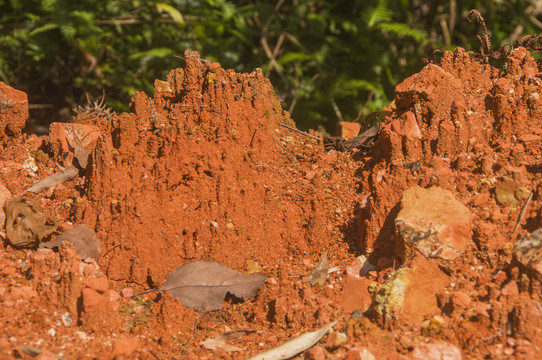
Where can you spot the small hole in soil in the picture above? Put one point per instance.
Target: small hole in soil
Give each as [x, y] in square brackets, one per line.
[272, 312]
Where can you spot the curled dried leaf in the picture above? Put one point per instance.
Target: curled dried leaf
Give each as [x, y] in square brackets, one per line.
[26, 226]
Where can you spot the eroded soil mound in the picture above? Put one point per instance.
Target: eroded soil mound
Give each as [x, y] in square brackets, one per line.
[196, 173]
[443, 209]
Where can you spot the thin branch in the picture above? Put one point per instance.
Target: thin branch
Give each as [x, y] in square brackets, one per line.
[522, 212]
[299, 131]
[269, 54]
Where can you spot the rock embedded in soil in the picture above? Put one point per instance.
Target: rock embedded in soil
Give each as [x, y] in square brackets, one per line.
[63, 138]
[432, 222]
[526, 322]
[125, 347]
[5, 195]
[410, 295]
[508, 192]
[13, 112]
[435, 351]
[528, 252]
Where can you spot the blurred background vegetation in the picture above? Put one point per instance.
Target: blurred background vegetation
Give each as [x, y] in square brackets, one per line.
[328, 60]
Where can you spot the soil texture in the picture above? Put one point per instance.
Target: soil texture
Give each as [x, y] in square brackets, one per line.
[431, 235]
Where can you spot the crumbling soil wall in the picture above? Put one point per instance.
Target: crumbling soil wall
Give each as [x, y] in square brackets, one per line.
[445, 205]
[199, 172]
[460, 126]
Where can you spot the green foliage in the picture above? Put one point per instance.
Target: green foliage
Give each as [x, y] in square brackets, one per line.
[330, 60]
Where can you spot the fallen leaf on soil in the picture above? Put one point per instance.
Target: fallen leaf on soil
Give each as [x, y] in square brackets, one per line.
[84, 241]
[318, 275]
[65, 175]
[295, 346]
[218, 343]
[363, 140]
[82, 155]
[25, 224]
[33, 352]
[203, 284]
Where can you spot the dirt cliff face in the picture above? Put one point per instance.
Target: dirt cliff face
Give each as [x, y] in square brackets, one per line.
[460, 126]
[204, 169]
[196, 173]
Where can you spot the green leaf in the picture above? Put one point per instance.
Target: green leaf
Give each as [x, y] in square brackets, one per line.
[293, 57]
[153, 53]
[378, 14]
[173, 12]
[43, 28]
[404, 30]
[351, 87]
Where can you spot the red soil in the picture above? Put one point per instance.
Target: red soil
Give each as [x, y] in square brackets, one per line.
[203, 170]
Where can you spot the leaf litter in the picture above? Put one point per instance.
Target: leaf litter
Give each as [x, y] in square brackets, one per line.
[319, 274]
[203, 284]
[57, 178]
[26, 225]
[295, 346]
[218, 343]
[84, 241]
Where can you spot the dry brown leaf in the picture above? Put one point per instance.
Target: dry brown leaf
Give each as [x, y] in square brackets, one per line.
[82, 155]
[203, 284]
[218, 343]
[84, 241]
[318, 275]
[65, 175]
[26, 226]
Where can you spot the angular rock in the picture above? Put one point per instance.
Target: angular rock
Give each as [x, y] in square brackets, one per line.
[316, 353]
[409, 295]
[359, 354]
[355, 294]
[527, 321]
[432, 222]
[348, 130]
[528, 252]
[125, 346]
[508, 192]
[5, 195]
[65, 137]
[13, 111]
[435, 351]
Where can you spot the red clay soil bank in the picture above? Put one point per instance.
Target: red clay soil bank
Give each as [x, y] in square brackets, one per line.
[461, 126]
[203, 170]
[196, 173]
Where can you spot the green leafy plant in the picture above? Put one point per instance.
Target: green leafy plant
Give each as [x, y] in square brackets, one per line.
[329, 60]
